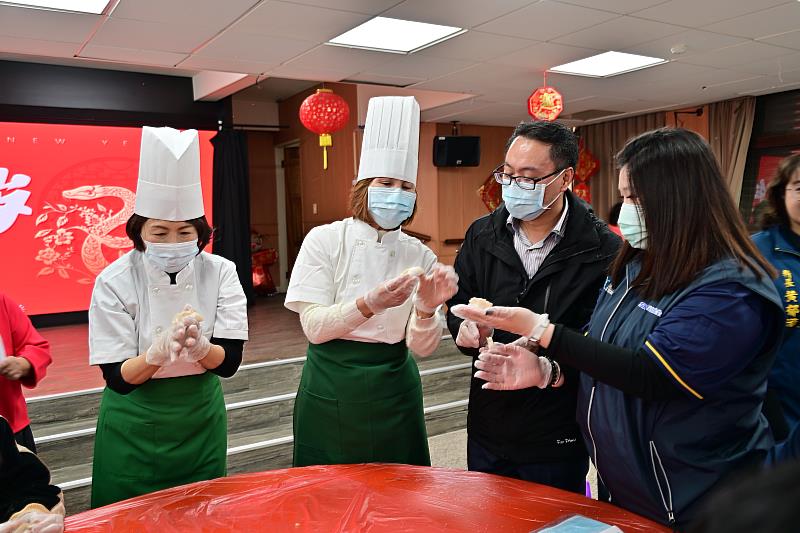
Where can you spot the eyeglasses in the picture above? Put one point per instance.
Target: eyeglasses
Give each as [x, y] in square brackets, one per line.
[522, 182]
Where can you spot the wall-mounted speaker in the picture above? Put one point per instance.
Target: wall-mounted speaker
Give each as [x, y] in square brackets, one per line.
[460, 151]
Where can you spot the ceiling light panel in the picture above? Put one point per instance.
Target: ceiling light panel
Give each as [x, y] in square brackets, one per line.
[94, 7]
[397, 36]
[607, 64]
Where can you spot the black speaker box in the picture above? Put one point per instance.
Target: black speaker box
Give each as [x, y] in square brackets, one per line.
[461, 151]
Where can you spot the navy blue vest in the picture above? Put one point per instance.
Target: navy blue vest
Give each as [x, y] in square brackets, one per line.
[658, 458]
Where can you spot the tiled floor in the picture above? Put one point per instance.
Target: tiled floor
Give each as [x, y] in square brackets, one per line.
[275, 333]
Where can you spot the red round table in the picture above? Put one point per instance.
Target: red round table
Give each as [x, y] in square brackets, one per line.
[374, 498]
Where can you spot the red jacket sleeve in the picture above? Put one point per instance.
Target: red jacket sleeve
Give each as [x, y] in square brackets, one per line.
[26, 342]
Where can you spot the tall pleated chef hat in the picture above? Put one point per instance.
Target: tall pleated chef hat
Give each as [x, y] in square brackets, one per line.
[391, 139]
[169, 175]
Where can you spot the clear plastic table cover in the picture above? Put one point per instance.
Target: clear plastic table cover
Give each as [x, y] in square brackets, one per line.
[368, 498]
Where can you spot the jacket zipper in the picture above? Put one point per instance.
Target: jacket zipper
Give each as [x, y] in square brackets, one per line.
[594, 382]
[547, 296]
[594, 446]
[667, 502]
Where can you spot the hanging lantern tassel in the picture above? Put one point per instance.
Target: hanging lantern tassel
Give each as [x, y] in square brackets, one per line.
[324, 113]
[325, 140]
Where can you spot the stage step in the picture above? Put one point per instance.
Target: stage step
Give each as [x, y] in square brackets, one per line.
[64, 443]
[269, 378]
[259, 401]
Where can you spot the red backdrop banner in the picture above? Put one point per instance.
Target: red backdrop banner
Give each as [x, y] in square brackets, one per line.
[65, 195]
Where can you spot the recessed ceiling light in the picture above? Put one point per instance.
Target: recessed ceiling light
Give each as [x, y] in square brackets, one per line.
[607, 64]
[94, 7]
[384, 34]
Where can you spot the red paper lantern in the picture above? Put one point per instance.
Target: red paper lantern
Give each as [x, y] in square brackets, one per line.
[545, 103]
[324, 113]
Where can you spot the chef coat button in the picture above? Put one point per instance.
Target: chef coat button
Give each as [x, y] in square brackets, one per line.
[355, 279]
[391, 254]
[159, 330]
[380, 328]
[155, 290]
[188, 286]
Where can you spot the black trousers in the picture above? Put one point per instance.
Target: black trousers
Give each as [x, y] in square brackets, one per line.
[24, 437]
[567, 475]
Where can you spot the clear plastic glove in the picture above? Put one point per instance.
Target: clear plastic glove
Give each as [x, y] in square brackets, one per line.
[528, 344]
[435, 288]
[196, 346]
[34, 522]
[167, 345]
[472, 334]
[390, 293]
[512, 367]
[512, 319]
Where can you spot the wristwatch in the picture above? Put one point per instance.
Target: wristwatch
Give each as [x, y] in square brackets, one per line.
[555, 372]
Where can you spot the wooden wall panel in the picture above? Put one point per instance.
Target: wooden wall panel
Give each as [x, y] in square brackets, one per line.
[426, 220]
[686, 118]
[328, 189]
[459, 202]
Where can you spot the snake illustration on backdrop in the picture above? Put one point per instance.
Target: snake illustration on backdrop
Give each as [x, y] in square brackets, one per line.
[97, 235]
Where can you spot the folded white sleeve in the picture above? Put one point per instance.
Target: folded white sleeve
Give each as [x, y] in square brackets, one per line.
[423, 334]
[323, 323]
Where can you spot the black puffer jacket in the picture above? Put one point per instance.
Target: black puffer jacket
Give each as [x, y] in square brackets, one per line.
[532, 425]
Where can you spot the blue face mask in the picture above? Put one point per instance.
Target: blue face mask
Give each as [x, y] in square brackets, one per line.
[390, 206]
[631, 225]
[524, 204]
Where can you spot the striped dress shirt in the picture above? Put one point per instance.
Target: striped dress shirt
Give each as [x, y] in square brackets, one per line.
[533, 254]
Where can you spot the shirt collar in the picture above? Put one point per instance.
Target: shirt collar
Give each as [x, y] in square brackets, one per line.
[364, 231]
[156, 275]
[513, 224]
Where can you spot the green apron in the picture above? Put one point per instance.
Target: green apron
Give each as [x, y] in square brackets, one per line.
[359, 402]
[167, 432]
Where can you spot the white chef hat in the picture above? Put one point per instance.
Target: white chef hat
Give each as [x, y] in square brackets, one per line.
[169, 175]
[391, 139]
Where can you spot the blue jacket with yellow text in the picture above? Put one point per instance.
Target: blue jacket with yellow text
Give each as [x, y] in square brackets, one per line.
[785, 375]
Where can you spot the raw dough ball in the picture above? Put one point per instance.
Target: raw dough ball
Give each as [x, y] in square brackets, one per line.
[413, 271]
[178, 318]
[480, 302]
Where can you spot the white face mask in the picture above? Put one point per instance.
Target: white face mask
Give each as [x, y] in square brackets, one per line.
[171, 256]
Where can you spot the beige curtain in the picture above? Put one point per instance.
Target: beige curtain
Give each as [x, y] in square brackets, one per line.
[730, 124]
[604, 140]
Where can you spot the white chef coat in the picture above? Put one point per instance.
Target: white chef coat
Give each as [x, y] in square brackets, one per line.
[342, 261]
[133, 301]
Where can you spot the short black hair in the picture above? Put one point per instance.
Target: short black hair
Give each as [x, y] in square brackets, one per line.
[133, 228]
[562, 140]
